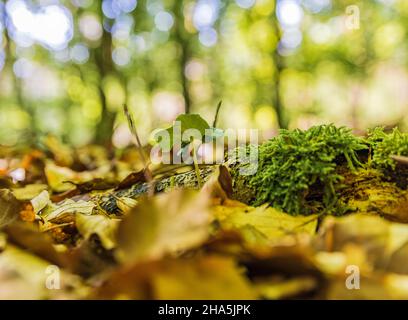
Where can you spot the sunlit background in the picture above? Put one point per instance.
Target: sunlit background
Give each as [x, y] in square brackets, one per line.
[67, 67]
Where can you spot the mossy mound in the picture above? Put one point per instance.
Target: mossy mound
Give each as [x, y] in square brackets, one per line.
[315, 171]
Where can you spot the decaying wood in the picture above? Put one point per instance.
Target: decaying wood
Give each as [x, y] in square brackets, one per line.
[182, 180]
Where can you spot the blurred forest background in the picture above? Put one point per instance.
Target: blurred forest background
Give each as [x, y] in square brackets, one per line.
[68, 66]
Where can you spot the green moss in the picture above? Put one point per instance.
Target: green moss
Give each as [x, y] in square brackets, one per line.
[320, 169]
[298, 169]
[383, 145]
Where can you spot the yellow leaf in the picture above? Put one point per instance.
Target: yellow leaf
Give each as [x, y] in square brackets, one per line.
[271, 223]
[9, 207]
[166, 223]
[100, 225]
[204, 277]
[212, 278]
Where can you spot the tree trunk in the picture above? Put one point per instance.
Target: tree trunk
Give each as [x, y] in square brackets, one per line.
[180, 37]
[277, 98]
[104, 63]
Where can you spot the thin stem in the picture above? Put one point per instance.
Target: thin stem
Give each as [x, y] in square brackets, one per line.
[147, 173]
[216, 114]
[135, 134]
[196, 168]
[58, 226]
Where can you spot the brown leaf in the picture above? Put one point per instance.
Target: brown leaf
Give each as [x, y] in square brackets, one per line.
[27, 214]
[97, 184]
[220, 184]
[89, 258]
[27, 236]
[26, 276]
[166, 223]
[133, 178]
[100, 225]
[205, 277]
[10, 207]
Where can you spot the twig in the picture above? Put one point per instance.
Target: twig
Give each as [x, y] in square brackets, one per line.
[148, 174]
[58, 226]
[400, 159]
[196, 168]
[216, 113]
[134, 133]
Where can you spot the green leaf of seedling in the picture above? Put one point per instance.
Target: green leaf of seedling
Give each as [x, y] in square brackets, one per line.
[192, 121]
[167, 137]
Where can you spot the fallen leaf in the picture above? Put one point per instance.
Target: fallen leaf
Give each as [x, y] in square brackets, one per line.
[125, 204]
[206, 277]
[263, 222]
[100, 225]
[96, 184]
[375, 245]
[133, 178]
[219, 184]
[27, 236]
[29, 191]
[25, 276]
[41, 201]
[10, 207]
[165, 223]
[378, 237]
[212, 278]
[399, 212]
[57, 177]
[27, 214]
[67, 207]
[282, 288]
[63, 154]
[62, 179]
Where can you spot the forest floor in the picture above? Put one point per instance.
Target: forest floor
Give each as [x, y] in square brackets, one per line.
[59, 239]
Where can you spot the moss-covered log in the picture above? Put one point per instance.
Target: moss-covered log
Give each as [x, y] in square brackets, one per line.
[182, 180]
[321, 170]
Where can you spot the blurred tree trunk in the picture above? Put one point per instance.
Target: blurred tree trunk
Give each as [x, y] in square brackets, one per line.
[279, 66]
[104, 63]
[277, 101]
[361, 75]
[17, 85]
[181, 37]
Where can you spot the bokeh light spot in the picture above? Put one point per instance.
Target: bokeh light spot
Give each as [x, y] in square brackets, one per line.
[208, 37]
[289, 12]
[163, 21]
[79, 53]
